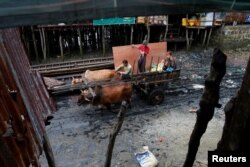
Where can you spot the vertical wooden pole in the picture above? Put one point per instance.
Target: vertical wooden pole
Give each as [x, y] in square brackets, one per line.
[208, 102]
[34, 42]
[209, 35]
[148, 29]
[166, 30]
[131, 34]
[103, 40]
[41, 38]
[44, 45]
[61, 45]
[187, 38]
[80, 42]
[48, 151]
[204, 38]
[113, 135]
[47, 42]
[191, 39]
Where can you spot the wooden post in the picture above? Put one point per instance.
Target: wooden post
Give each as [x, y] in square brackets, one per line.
[61, 45]
[187, 38]
[48, 151]
[103, 40]
[80, 42]
[191, 39]
[148, 29]
[44, 45]
[209, 35]
[113, 135]
[131, 34]
[204, 38]
[235, 136]
[166, 30]
[209, 100]
[34, 42]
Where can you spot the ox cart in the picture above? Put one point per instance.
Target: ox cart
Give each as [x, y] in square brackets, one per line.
[150, 85]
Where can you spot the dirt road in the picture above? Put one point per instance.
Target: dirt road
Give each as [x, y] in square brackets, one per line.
[79, 134]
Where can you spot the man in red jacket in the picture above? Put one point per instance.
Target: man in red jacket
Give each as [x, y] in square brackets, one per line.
[144, 51]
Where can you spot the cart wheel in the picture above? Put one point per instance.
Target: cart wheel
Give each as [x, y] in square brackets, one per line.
[156, 97]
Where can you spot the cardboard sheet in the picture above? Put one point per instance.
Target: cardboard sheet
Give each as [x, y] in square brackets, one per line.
[157, 52]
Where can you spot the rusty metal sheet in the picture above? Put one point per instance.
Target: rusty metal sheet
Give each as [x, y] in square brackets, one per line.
[25, 104]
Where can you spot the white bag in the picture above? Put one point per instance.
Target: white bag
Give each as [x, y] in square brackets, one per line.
[146, 158]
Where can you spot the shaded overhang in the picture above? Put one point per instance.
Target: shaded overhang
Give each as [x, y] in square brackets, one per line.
[33, 12]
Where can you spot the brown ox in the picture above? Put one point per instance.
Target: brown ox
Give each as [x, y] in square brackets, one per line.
[99, 75]
[107, 95]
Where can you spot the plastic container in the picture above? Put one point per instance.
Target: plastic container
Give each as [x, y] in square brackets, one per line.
[184, 21]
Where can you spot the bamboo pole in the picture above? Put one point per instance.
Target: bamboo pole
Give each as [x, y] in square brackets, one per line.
[113, 135]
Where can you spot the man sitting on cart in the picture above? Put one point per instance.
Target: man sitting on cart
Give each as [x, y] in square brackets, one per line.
[125, 69]
[170, 63]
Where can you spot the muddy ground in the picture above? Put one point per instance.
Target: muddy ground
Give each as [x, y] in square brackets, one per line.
[79, 134]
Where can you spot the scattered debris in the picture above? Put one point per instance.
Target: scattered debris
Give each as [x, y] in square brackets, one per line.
[51, 82]
[198, 86]
[231, 84]
[195, 76]
[193, 110]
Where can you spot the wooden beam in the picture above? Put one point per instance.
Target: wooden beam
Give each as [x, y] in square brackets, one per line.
[208, 102]
[48, 151]
[113, 135]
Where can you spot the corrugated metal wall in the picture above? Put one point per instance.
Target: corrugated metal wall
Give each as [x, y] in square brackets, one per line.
[25, 104]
